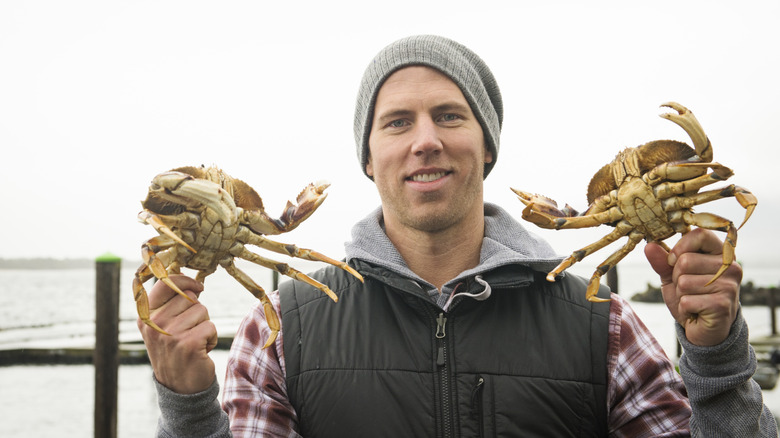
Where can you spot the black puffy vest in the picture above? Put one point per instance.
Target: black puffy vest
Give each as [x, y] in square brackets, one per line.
[386, 361]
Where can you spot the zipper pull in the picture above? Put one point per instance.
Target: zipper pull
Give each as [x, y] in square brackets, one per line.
[476, 391]
[440, 322]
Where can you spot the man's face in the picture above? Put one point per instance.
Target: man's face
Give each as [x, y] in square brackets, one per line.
[427, 151]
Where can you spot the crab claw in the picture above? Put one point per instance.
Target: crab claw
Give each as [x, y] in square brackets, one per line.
[687, 121]
[153, 220]
[543, 204]
[307, 201]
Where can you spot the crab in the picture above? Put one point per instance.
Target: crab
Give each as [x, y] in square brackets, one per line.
[647, 192]
[205, 219]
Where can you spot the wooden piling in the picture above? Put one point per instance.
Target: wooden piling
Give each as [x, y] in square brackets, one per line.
[772, 304]
[106, 357]
[612, 279]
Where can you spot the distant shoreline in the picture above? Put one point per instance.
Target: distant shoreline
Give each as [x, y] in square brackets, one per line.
[749, 295]
[54, 263]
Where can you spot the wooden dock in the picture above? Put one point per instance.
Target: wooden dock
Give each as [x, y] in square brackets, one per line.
[130, 353]
[69, 344]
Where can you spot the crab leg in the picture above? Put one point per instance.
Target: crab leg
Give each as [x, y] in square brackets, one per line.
[268, 309]
[621, 229]
[158, 269]
[285, 269]
[593, 286]
[157, 223]
[160, 243]
[154, 266]
[142, 299]
[745, 198]
[714, 222]
[544, 212]
[545, 220]
[670, 188]
[294, 251]
[602, 203]
[201, 276]
[688, 173]
[687, 121]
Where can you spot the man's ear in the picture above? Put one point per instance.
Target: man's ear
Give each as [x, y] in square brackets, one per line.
[370, 168]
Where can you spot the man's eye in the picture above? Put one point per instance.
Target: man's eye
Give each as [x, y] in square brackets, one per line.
[450, 117]
[397, 124]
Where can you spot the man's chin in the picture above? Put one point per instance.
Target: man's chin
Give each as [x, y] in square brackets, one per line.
[433, 221]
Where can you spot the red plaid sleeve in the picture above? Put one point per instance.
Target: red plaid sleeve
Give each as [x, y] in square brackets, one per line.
[645, 394]
[255, 392]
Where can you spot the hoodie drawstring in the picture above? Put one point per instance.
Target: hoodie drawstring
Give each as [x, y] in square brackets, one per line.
[480, 296]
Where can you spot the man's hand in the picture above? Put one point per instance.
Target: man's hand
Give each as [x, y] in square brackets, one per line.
[180, 361]
[705, 311]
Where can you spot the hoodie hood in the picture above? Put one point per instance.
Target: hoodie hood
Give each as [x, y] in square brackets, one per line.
[506, 242]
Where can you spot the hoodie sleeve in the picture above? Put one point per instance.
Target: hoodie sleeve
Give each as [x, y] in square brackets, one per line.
[724, 398]
[191, 415]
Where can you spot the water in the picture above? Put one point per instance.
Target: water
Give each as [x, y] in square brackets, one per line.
[56, 308]
[50, 308]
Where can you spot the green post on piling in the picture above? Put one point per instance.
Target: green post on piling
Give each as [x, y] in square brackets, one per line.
[106, 357]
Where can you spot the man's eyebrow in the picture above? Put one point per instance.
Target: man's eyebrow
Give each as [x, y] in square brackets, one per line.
[452, 106]
[393, 115]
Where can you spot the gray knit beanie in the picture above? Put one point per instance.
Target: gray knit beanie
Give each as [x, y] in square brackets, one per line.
[454, 60]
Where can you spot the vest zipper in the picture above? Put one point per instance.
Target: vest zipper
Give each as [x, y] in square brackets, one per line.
[441, 363]
[476, 404]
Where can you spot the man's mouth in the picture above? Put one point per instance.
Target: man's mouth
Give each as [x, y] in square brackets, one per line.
[427, 177]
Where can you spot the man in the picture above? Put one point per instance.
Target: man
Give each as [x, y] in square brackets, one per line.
[455, 332]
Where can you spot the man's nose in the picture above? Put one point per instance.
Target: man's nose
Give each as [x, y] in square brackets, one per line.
[426, 138]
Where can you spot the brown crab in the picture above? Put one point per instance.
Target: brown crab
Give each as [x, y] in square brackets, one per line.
[205, 218]
[648, 193]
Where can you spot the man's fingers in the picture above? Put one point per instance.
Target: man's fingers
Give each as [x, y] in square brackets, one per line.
[179, 314]
[191, 316]
[698, 240]
[698, 264]
[693, 272]
[695, 304]
[208, 331]
[161, 293]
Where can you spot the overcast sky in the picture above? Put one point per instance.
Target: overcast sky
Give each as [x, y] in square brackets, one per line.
[96, 97]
